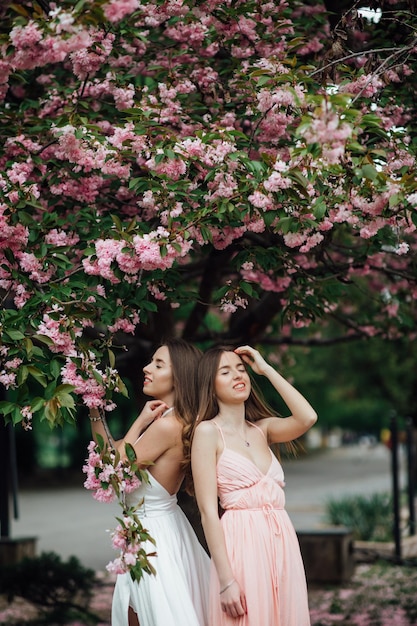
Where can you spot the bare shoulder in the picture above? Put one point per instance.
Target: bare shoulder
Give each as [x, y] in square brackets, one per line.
[168, 426]
[206, 432]
[206, 428]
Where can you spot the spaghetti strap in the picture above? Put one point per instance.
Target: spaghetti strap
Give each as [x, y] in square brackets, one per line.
[220, 431]
[257, 427]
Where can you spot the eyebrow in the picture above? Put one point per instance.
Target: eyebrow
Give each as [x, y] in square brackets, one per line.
[228, 367]
[159, 360]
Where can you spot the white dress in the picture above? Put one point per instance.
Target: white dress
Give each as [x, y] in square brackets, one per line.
[178, 593]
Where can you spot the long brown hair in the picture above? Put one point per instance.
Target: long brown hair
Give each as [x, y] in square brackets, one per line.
[184, 364]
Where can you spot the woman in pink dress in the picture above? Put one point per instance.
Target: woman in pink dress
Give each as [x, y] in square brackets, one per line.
[257, 575]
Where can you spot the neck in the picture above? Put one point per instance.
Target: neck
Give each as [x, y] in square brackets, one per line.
[232, 414]
[168, 399]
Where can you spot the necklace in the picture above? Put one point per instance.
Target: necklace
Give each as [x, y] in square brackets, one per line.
[247, 444]
[171, 408]
[245, 441]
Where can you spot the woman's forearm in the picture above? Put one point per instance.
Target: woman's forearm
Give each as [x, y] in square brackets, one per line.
[214, 535]
[99, 427]
[300, 408]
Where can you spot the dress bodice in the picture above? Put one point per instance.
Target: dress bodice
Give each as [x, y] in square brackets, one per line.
[152, 498]
[242, 485]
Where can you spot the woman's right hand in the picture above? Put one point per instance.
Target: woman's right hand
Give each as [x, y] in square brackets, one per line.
[152, 410]
[233, 601]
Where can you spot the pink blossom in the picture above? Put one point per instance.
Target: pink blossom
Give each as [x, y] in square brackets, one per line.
[13, 363]
[172, 168]
[130, 558]
[156, 292]
[125, 325]
[227, 307]
[33, 266]
[115, 10]
[21, 296]
[116, 566]
[26, 36]
[57, 237]
[222, 186]
[366, 85]
[87, 62]
[8, 379]
[261, 201]
[293, 240]
[311, 242]
[276, 181]
[26, 413]
[223, 237]
[402, 248]
[62, 333]
[371, 229]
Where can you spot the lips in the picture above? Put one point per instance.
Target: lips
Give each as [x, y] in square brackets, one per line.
[147, 380]
[239, 386]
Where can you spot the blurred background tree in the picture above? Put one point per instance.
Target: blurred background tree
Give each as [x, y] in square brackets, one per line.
[240, 172]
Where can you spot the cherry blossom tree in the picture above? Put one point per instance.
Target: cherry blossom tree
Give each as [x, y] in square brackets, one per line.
[225, 170]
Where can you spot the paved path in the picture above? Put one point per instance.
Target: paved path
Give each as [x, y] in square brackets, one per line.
[335, 473]
[69, 521]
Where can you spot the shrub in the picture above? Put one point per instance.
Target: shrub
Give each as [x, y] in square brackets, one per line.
[369, 517]
[59, 590]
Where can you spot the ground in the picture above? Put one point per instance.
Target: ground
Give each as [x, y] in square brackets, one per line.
[379, 594]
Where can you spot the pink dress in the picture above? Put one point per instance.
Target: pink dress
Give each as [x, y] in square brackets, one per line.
[261, 543]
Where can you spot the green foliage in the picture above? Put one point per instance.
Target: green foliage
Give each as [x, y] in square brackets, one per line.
[369, 517]
[60, 590]
[234, 161]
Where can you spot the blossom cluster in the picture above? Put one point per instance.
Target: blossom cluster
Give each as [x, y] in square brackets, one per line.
[111, 479]
[147, 143]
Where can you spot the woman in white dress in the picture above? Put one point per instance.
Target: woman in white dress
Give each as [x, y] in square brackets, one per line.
[178, 592]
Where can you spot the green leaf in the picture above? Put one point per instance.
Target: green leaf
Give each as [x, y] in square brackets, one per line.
[130, 452]
[369, 171]
[6, 407]
[37, 375]
[44, 339]
[51, 410]
[36, 404]
[15, 335]
[66, 400]
[22, 374]
[112, 358]
[64, 388]
[122, 387]
[28, 346]
[319, 208]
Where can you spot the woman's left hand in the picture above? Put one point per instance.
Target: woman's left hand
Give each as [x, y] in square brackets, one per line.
[253, 358]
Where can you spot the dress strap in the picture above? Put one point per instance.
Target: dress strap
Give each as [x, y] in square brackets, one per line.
[257, 427]
[220, 431]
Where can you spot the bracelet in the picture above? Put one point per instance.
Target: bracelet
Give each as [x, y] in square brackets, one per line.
[227, 586]
[95, 419]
